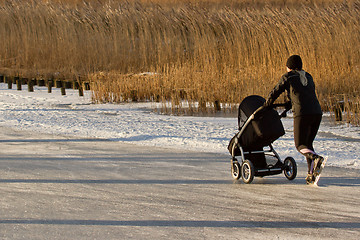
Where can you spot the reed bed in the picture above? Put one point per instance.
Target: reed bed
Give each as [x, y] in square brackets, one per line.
[202, 55]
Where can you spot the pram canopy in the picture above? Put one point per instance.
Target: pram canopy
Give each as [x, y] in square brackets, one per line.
[264, 129]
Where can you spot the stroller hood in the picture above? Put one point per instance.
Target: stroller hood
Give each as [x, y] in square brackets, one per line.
[247, 107]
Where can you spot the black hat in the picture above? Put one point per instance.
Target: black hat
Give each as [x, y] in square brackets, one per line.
[294, 62]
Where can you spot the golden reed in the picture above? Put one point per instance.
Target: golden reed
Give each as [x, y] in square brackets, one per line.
[206, 54]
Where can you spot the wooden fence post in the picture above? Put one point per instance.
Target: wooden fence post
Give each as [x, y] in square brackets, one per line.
[30, 84]
[63, 91]
[79, 85]
[18, 83]
[50, 84]
[60, 84]
[9, 82]
[217, 105]
[81, 91]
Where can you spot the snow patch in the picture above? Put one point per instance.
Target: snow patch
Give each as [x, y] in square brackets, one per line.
[136, 123]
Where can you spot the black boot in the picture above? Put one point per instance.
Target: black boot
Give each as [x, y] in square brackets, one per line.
[310, 177]
[317, 163]
[309, 162]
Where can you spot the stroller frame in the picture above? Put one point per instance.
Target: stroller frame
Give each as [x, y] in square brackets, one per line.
[246, 170]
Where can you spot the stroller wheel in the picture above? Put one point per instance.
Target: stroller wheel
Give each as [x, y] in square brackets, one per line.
[290, 168]
[235, 170]
[247, 171]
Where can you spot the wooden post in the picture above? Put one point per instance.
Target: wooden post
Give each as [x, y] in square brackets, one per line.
[18, 83]
[30, 84]
[63, 91]
[9, 82]
[217, 105]
[77, 84]
[81, 91]
[50, 84]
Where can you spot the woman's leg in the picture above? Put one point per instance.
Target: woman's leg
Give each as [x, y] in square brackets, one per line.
[305, 130]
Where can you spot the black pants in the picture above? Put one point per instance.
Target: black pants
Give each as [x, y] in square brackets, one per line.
[305, 130]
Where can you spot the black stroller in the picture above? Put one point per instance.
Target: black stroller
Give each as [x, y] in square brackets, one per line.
[259, 127]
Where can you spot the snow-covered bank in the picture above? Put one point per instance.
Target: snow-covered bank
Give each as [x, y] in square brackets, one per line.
[72, 115]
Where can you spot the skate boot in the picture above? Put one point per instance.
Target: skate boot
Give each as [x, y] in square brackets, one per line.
[309, 178]
[318, 160]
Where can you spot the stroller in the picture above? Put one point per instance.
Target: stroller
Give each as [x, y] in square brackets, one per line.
[259, 127]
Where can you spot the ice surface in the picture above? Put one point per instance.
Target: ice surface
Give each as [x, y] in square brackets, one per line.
[136, 123]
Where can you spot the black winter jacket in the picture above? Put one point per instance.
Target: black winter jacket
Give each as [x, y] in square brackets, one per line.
[300, 89]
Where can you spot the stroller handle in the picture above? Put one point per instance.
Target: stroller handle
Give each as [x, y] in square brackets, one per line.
[286, 105]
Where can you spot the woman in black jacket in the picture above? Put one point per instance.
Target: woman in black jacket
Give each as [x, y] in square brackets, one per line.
[300, 89]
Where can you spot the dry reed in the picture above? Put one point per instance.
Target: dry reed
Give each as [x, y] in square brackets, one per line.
[203, 52]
